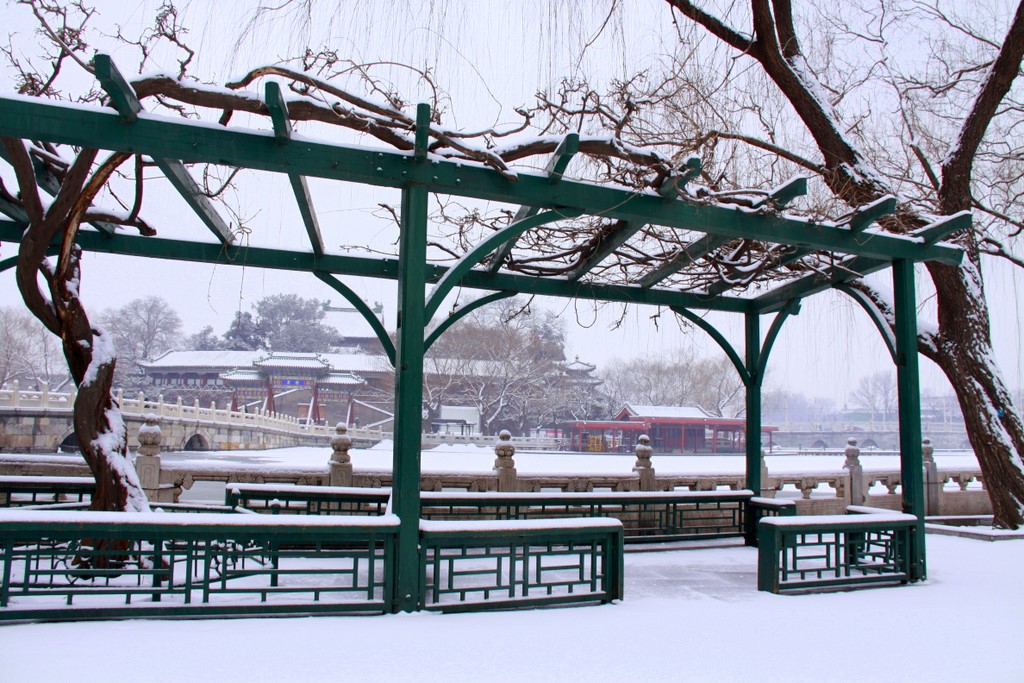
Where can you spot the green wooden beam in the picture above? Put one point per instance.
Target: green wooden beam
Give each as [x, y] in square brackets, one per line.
[299, 261]
[673, 186]
[852, 268]
[554, 170]
[124, 99]
[785, 193]
[944, 227]
[613, 239]
[869, 213]
[122, 95]
[693, 252]
[199, 141]
[300, 188]
[193, 195]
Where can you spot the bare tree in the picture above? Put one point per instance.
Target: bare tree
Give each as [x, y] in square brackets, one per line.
[876, 393]
[961, 344]
[141, 330]
[27, 351]
[680, 379]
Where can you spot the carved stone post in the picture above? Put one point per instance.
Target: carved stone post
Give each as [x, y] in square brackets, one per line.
[341, 462]
[643, 463]
[932, 486]
[767, 490]
[504, 465]
[857, 493]
[147, 462]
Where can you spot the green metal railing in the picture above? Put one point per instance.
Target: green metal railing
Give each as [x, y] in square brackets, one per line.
[816, 552]
[103, 565]
[20, 491]
[645, 516]
[469, 566]
[307, 500]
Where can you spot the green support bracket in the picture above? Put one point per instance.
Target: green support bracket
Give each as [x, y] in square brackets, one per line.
[554, 170]
[875, 315]
[792, 308]
[475, 255]
[365, 311]
[461, 313]
[719, 338]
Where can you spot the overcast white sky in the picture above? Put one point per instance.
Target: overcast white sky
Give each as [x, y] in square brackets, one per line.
[490, 56]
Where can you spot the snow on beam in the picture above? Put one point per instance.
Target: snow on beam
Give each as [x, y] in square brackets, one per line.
[125, 101]
[869, 213]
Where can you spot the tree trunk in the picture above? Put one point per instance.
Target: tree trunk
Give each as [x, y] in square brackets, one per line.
[963, 350]
[99, 428]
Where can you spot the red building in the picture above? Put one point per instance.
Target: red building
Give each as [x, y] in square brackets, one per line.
[672, 429]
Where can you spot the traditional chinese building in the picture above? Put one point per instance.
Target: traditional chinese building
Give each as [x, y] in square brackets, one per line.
[672, 429]
[320, 388]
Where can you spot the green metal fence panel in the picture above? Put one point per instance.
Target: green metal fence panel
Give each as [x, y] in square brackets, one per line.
[801, 553]
[470, 566]
[18, 491]
[59, 565]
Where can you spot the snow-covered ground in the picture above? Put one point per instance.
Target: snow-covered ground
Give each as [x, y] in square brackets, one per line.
[688, 615]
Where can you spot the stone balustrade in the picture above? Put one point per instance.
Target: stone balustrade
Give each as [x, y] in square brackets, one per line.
[949, 491]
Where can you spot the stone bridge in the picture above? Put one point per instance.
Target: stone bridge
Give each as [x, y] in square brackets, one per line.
[942, 437]
[41, 422]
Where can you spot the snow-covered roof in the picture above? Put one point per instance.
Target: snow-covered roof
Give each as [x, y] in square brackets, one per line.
[292, 360]
[230, 360]
[671, 412]
[173, 360]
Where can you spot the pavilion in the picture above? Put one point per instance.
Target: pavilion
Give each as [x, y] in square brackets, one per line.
[763, 261]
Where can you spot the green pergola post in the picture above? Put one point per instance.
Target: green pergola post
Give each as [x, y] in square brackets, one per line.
[752, 358]
[412, 279]
[909, 392]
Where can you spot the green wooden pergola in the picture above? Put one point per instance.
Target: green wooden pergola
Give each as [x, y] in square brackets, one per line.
[851, 248]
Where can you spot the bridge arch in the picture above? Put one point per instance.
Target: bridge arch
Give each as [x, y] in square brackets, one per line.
[820, 443]
[869, 443]
[67, 442]
[197, 442]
